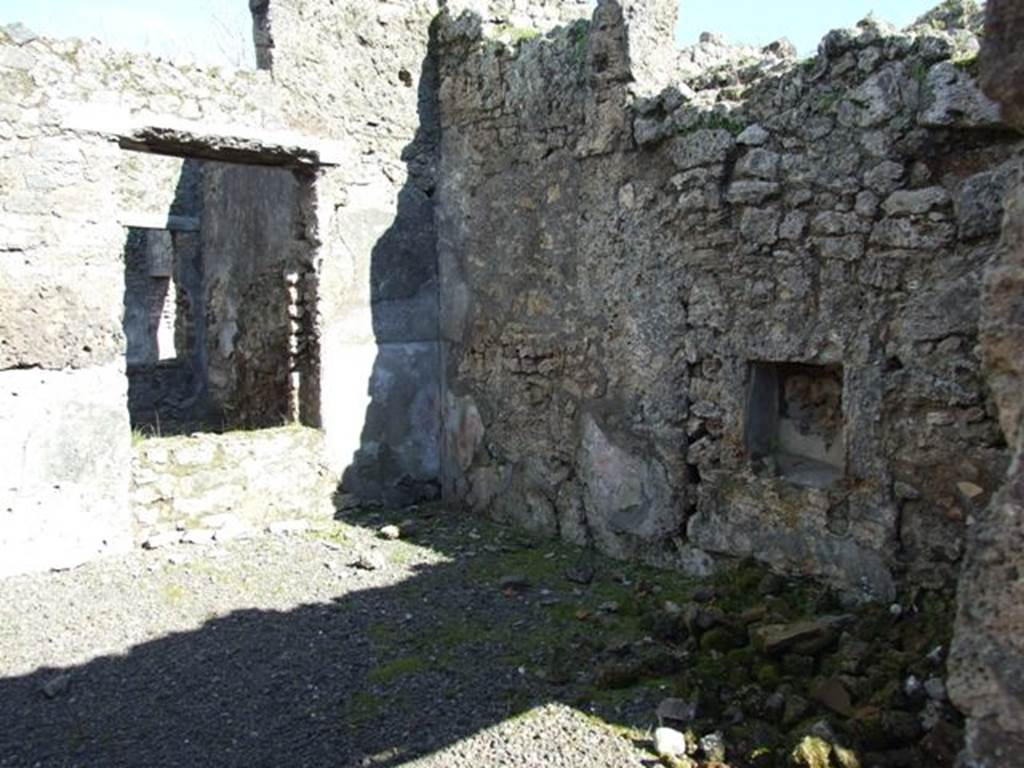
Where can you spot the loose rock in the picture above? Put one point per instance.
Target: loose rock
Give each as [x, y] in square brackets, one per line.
[669, 742]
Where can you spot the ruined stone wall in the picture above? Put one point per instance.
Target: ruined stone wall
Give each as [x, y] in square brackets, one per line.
[614, 270]
[364, 73]
[360, 75]
[203, 487]
[987, 657]
[65, 189]
[258, 272]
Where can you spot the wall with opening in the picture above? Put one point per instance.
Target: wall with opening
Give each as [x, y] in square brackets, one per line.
[71, 198]
[611, 265]
[262, 341]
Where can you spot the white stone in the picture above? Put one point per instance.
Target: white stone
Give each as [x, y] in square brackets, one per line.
[669, 742]
[235, 530]
[198, 536]
[935, 687]
[288, 527]
[158, 540]
[220, 520]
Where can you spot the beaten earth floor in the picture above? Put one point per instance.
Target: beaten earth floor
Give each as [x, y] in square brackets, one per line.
[462, 643]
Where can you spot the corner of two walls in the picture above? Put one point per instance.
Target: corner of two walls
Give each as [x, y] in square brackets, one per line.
[364, 74]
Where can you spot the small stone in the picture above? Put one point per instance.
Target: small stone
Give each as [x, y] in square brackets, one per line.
[20, 34]
[832, 694]
[969, 490]
[896, 610]
[581, 573]
[55, 686]
[676, 712]
[159, 540]
[775, 704]
[288, 527]
[220, 520]
[774, 638]
[235, 530]
[514, 583]
[905, 491]
[713, 747]
[795, 709]
[703, 595]
[811, 752]
[608, 607]
[198, 536]
[753, 136]
[912, 686]
[902, 727]
[935, 687]
[722, 639]
[669, 742]
[770, 585]
[370, 561]
[390, 532]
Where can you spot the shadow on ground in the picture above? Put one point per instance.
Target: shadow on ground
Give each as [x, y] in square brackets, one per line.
[374, 677]
[460, 630]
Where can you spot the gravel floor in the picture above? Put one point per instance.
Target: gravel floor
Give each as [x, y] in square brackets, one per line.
[279, 651]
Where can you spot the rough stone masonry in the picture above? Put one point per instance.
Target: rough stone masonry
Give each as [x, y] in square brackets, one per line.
[680, 306]
[737, 315]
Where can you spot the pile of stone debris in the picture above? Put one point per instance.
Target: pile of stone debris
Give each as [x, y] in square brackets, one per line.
[769, 673]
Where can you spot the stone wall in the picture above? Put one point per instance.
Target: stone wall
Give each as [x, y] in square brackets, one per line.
[206, 487]
[365, 73]
[987, 657]
[62, 370]
[68, 113]
[614, 269]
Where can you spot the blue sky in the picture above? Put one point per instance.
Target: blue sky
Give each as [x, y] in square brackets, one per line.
[804, 22]
[217, 31]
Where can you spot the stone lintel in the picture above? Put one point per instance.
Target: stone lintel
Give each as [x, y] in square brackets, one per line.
[229, 143]
[147, 220]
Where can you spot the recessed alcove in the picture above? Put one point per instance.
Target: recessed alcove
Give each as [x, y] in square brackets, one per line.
[794, 422]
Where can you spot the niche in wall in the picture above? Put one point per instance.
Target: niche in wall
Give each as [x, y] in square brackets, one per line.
[794, 422]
